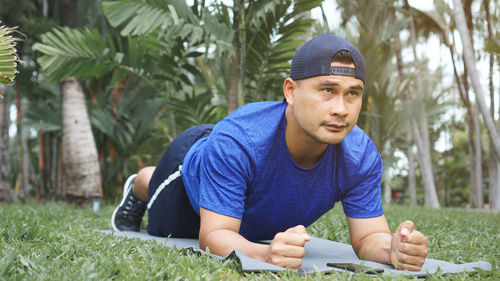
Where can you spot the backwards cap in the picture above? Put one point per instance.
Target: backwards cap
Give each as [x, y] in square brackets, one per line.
[314, 58]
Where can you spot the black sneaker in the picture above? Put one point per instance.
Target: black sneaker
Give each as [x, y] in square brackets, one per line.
[128, 215]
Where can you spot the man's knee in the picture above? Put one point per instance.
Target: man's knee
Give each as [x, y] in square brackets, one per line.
[141, 183]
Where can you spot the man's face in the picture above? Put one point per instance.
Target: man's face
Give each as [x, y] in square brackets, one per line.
[327, 107]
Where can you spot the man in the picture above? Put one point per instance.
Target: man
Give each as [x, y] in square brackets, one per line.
[270, 169]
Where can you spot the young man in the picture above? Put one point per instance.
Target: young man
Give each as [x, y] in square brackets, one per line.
[270, 169]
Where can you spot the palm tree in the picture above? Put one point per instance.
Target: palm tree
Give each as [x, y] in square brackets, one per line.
[389, 116]
[8, 63]
[81, 167]
[421, 132]
[265, 35]
[493, 162]
[157, 44]
[434, 21]
[412, 181]
[470, 61]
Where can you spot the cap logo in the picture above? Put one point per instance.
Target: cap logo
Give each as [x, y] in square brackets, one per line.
[342, 70]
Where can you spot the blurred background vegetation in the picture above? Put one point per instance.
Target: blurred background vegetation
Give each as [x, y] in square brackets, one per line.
[104, 86]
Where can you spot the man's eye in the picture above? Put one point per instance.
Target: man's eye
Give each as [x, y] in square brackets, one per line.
[353, 93]
[328, 90]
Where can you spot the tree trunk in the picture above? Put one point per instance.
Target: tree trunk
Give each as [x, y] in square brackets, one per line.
[495, 187]
[478, 197]
[493, 164]
[421, 134]
[68, 11]
[474, 132]
[232, 84]
[412, 186]
[385, 177]
[242, 53]
[25, 157]
[5, 189]
[387, 186]
[412, 182]
[57, 170]
[431, 199]
[470, 62]
[45, 8]
[80, 157]
[495, 201]
[50, 167]
[234, 66]
[476, 191]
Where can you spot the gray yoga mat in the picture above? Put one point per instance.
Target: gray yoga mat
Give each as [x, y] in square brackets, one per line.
[319, 252]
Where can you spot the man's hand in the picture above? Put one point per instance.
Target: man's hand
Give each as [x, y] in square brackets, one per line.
[408, 247]
[287, 248]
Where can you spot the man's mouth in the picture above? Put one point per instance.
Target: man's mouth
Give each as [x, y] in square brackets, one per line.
[335, 126]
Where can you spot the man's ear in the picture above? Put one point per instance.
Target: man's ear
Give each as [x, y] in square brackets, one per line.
[289, 90]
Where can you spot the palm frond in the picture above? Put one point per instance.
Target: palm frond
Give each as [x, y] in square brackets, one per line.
[193, 109]
[144, 17]
[76, 52]
[271, 42]
[8, 55]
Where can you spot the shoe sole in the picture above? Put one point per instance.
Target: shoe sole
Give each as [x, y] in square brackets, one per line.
[124, 196]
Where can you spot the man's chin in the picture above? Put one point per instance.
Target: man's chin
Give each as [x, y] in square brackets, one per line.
[336, 139]
[329, 137]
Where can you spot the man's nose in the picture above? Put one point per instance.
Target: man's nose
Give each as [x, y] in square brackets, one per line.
[338, 106]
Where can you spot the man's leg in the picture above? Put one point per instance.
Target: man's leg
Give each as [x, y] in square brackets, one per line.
[170, 212]
[141, 183]
[128, 215]
[162, 191]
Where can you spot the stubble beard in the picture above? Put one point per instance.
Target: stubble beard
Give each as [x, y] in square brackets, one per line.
[320, 141]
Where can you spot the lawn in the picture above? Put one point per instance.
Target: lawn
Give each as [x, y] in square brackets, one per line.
[58, 242]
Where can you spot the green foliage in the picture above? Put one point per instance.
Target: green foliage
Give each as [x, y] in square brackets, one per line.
[43, 241]
[144, 17]
[273, 34]
[72, 52]
[46, 116]
[147, 59]
[386, 115]
[123, 130]
[492, 47]
[193, 110]
[266, 36]
[8, 56]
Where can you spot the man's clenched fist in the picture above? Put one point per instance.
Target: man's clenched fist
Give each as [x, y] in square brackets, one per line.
[287, 248]
[408, 247]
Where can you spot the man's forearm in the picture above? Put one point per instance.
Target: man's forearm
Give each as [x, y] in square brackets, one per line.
[375, 247]
[221, 242]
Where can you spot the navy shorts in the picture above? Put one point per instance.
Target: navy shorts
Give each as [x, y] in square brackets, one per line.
[169, 210]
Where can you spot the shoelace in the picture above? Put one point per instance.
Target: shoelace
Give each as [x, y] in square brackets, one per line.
[133, 207]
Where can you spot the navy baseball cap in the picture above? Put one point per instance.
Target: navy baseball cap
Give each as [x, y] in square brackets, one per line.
[314, 58]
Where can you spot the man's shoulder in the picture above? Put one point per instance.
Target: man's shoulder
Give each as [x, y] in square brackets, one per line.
[358, 147]
[253, 112]
[256, 121]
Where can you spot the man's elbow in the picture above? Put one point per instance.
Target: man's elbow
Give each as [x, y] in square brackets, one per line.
[370, 247]
[356, 246]
[203, 240]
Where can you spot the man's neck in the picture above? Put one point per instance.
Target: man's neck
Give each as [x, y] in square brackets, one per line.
[305, 151]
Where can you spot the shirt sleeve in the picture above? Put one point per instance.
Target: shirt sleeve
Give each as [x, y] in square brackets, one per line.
[226, 171]
[363, 198]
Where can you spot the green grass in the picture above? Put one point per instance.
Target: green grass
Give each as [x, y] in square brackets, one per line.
[58, 242]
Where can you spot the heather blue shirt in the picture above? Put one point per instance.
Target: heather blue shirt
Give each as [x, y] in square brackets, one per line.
[244, 170]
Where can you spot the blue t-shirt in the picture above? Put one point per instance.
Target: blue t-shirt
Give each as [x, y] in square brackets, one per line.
[244, 170]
